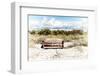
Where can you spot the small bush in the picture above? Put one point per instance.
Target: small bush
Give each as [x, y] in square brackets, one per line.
[32, 32]
[54, 32]
[44, 32]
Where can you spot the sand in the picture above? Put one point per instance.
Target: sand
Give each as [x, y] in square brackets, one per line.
[38, 53]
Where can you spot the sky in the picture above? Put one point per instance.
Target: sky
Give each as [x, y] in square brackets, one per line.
[37, 22]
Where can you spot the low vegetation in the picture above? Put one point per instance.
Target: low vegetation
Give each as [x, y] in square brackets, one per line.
[67, 36]
[56, 32]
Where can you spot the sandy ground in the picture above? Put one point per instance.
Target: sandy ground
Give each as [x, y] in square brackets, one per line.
[38, 53]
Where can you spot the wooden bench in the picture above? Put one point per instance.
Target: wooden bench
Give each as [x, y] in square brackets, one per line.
[53, 43]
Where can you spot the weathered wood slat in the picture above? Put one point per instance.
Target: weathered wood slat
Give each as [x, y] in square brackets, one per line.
[53, 43]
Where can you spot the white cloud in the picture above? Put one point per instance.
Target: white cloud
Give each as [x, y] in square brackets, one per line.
[84, 20]
[33, 24]
[58, 23]
[44, 21]
[51, 21]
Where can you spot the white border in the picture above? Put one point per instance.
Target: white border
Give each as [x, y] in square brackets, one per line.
[16, 60]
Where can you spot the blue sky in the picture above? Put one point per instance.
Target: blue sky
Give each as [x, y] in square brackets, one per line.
[57, 22]
[61, 18]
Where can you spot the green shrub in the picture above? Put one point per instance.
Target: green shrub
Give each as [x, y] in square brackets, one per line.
[44, 32]
[33, 32]
[56, 32]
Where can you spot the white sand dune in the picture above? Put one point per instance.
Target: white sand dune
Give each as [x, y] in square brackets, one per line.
[38, 53]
